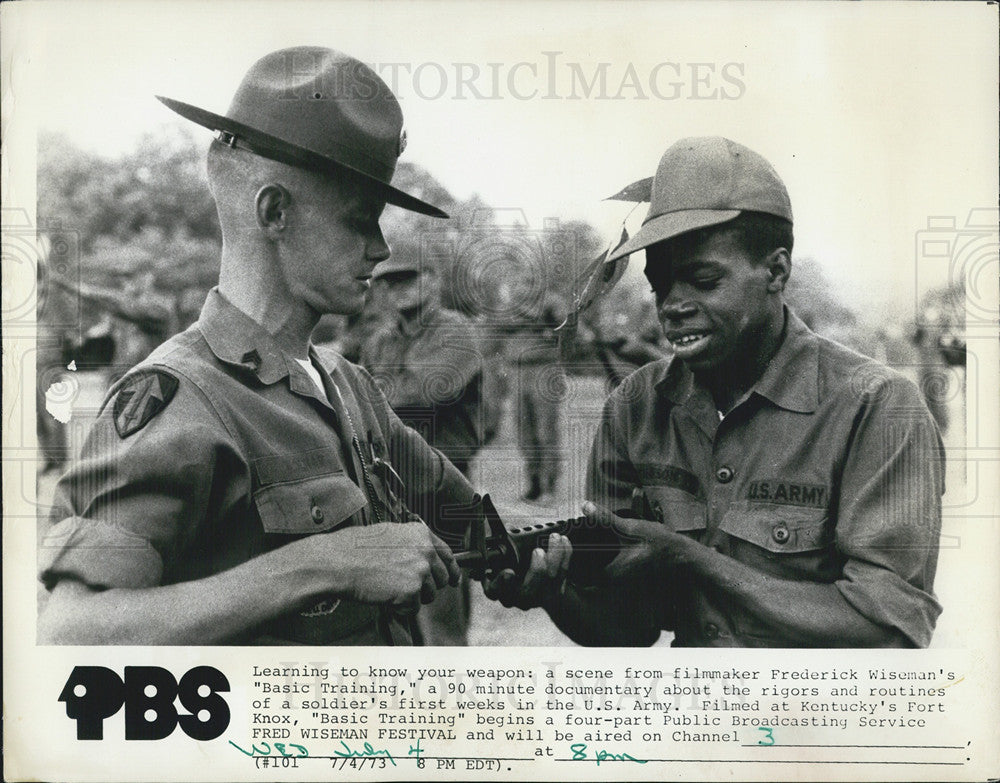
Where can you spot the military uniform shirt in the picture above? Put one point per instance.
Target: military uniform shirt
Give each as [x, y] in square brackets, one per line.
[246, 455]
[430, 370]
[829, 470]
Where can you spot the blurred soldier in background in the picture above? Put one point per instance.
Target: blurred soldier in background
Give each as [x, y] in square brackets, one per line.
[540, 385]
[143, 318]
[624, 351]
[57, 313]
[359, 328]
[428, 360]
[939, 342]
[133, 321]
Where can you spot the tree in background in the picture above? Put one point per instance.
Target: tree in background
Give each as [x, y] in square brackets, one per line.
[144, 217]
[149, 211]
[813, 298]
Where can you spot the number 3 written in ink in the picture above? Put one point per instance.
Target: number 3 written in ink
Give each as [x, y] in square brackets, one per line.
[769, 739]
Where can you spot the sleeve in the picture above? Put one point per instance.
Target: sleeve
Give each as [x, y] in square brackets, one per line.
[611, 476]
[433, 484]
[889, 516]
[645, 607]
[129, 504]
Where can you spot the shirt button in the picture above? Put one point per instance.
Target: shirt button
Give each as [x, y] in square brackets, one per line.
[711, 631]
[317, 514]
[780, 534]
[724, 474]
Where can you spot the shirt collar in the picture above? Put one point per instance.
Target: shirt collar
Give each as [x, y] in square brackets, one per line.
[235, 338]
[790, 381]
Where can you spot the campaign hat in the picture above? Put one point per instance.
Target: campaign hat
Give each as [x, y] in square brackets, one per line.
[702, 182]
[316, 109]
[401, 262]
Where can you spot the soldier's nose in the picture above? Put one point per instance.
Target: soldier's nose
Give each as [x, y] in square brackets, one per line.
[377, 248]
[676, 310]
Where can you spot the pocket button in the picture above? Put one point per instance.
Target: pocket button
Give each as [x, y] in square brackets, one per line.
[780, 534]
[317, 514]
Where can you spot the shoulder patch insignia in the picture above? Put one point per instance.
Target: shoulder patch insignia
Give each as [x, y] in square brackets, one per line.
[142, 395]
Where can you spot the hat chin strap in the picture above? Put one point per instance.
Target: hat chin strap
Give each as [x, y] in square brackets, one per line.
[233, 141]
[287, 157]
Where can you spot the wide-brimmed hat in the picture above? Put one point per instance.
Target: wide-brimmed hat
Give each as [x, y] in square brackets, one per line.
[317, 109]
[402, 262]
[702, 182]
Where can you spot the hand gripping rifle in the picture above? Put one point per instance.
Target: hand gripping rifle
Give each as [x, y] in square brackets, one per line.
[492, 547]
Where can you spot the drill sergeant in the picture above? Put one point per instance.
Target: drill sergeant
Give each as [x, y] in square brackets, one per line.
[232, 487]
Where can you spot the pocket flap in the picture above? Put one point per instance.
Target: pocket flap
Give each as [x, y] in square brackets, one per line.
[309, 505]
[279, 468]
[779, 528]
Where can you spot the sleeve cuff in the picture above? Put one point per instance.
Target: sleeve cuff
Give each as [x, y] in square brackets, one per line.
[99, 554]
[886, 598]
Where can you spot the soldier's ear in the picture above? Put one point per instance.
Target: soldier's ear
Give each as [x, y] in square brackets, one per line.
[779, 267]
[271, 205]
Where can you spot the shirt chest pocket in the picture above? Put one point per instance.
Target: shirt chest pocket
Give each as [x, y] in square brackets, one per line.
[786, 541]
[305, 493]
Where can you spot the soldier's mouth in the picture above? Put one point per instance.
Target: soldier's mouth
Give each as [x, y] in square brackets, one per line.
[688, 343]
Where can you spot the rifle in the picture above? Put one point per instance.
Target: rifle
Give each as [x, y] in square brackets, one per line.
[488, 553]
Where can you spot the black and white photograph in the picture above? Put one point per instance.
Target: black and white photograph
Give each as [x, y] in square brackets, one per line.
[557, 337]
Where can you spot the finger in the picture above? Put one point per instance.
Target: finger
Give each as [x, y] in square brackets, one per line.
[439, 571]
[452, 569]
[427, 590]
[508, 588]
[596, 513]
[600, 516]
[553, 555]
[490, 588]
[535, 576]
[564, 554]
[494, 588]
[627, 529]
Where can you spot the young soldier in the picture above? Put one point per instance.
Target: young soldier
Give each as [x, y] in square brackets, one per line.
[231, 487]
[791, 488]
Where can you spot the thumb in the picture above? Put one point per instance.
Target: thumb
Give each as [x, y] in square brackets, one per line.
[601, 517]
[628, 529]
[597, 514]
